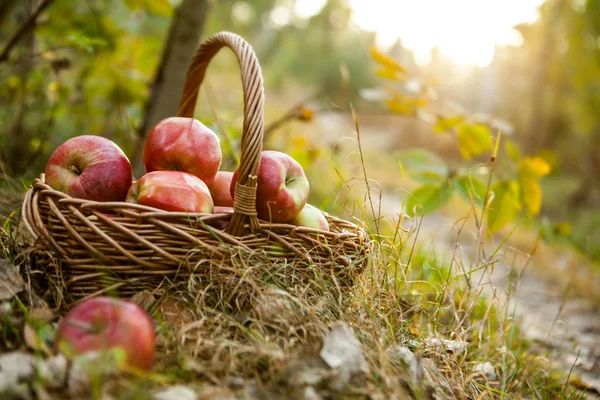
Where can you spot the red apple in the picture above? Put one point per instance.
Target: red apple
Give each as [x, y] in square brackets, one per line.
[220, 189]
[90, 167]
[171, 191]
[221, 223]
[311, 217]
[103, 323]
[183, 144]
[223, 210]
[282, 187]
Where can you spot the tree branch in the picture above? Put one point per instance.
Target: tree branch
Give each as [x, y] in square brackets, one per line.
[23, 29]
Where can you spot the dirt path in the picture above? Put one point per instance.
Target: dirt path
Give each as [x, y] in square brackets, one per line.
[560, 321]
[552, 314]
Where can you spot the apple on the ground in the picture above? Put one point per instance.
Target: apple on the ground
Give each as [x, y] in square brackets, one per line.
[183, 144]
[220, 189]
[103, 323]
[90, 167]
[311, 217]
[282, 187]
[171, 191]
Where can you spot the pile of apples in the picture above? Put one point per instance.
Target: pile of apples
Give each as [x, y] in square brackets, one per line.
[181, 158]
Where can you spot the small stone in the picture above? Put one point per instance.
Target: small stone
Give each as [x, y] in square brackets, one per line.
[54, 371]
[436, 382]
[235, 382]
[410, 360]
[341, 351]
[15, 367]
[450, 346]
[310, 393]
[208, 392]
[487, 370]
[5, 309]
[177, 392]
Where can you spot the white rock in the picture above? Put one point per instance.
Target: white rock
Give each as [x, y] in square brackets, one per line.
[15, 367]
[410, 361]
[177, 392]
[450, 346]
[54, 371]
[341, 351]
[309, 393]
[487, 370]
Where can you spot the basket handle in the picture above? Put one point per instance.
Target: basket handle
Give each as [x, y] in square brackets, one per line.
[244, 198]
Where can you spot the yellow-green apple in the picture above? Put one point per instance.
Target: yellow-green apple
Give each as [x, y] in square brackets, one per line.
[311, 217]
[282, 188]
[90, 167]
[183, 144]
[171, 191]
[102, 324]
[220, 189]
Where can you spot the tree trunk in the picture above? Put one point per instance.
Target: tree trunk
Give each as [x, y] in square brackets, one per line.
[18, 142]
[182, 41]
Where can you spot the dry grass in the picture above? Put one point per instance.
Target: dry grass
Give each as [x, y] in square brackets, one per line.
[407, 298]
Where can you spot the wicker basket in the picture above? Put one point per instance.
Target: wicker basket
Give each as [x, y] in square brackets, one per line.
[86, 248]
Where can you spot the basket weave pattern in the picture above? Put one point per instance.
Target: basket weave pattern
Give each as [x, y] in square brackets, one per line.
[88, 248]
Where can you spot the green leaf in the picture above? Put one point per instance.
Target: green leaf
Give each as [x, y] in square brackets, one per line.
[423, 166]
[512, 150]
[446, 124]
[430, 197]
[505, 204]
[474, 140]
[468, 187]
[531, 193]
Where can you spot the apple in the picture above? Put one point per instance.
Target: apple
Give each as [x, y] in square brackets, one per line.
[282, 187]
[104, 323]
[183, 144]
[311, 217]
[221, 223]
[90, 167]
[171, 191]
[220, 189]
[223, 210]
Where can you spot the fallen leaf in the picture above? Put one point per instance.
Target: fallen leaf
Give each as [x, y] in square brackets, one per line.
[11, 282]
[34, 340]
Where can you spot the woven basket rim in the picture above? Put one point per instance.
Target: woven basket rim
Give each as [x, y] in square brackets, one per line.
[85, 248]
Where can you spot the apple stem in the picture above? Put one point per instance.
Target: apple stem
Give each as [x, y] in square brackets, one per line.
[75, 169]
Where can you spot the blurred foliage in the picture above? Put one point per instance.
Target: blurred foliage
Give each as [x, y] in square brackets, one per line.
[503, 200]
[85, 70]
[87, 67]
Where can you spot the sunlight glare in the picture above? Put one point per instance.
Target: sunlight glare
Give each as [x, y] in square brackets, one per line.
[465, 31]
[308, 8]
